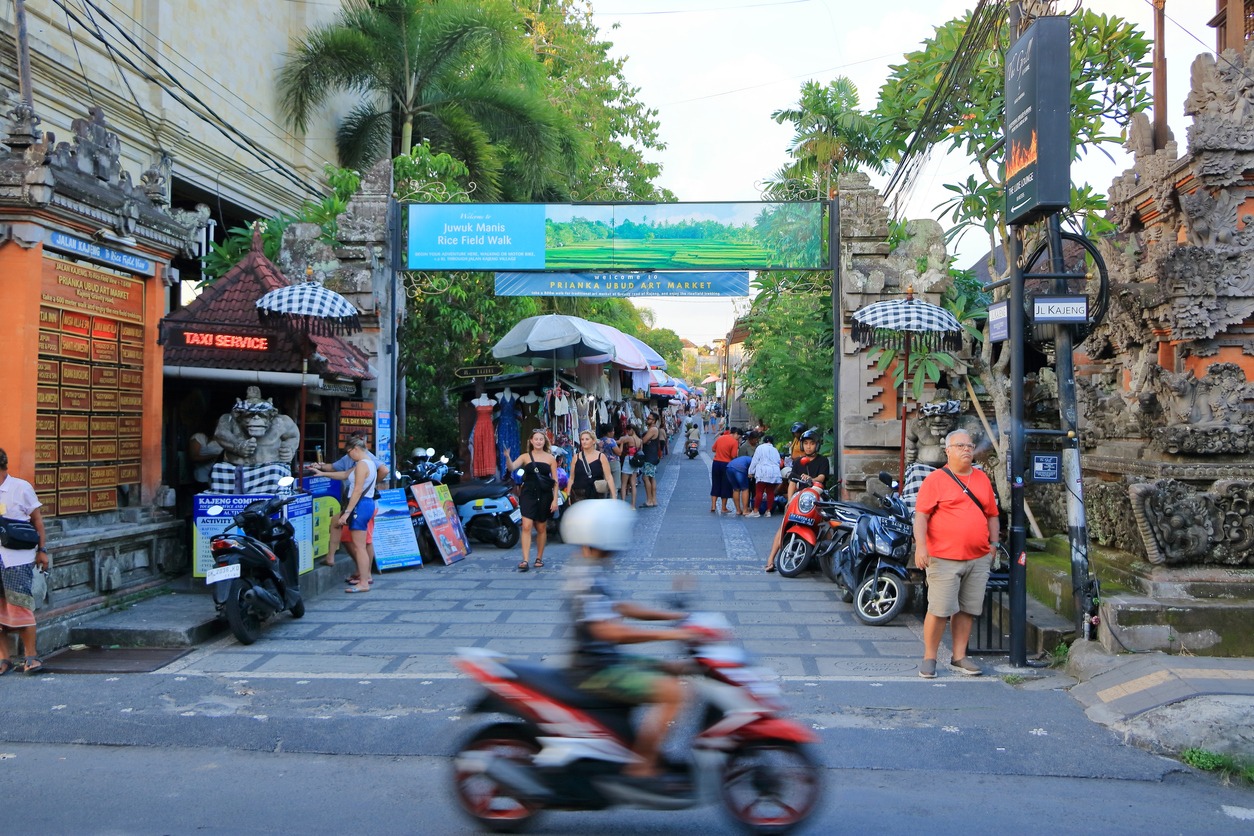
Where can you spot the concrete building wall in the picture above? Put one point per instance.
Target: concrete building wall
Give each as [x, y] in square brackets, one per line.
[229, 53]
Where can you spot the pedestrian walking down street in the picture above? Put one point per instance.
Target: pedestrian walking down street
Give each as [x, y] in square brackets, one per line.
[539, 494]
[724, 449]
[652, 458]
[629, 446]
[609, 446]
[17, 569]
[738, 475]
[764, 467]
[955, 533]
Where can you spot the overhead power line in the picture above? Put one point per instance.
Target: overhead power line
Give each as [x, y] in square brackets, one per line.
[209, 116]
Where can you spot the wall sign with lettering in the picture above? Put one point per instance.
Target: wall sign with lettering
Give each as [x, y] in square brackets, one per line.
[90, 372]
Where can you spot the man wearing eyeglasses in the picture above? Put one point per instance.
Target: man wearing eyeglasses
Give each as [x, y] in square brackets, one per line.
[955, 532]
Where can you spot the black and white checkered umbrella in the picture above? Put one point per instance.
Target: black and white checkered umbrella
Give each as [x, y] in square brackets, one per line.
[308, 308]
[886, 324]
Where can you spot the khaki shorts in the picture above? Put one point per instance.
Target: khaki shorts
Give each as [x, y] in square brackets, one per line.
[957, 585]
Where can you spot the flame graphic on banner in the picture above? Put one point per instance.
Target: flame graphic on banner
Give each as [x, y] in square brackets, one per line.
[1020, 157]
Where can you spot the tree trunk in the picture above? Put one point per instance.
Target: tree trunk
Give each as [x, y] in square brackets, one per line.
[407, 135]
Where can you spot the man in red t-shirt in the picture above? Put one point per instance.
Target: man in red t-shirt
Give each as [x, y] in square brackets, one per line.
[724, 450]
[955, 533]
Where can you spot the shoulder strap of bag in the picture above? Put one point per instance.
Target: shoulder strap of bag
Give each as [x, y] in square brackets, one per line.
[965, 490]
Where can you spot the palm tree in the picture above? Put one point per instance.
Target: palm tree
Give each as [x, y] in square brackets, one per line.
[832, 137]
[452, 72]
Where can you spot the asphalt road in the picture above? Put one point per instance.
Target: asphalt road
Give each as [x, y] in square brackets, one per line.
[343, 721]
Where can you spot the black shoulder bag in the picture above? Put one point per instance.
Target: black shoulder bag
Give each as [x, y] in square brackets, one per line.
[965, 490]
[18, 534]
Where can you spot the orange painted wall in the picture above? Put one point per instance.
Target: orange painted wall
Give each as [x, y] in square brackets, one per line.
[19, 348]
[1226, 354]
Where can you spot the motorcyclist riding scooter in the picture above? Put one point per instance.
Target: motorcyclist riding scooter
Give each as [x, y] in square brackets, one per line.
[605, 526]
[809, 468]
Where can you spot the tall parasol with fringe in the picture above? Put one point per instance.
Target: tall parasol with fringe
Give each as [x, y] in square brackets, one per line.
[896, 324]
[307, 309]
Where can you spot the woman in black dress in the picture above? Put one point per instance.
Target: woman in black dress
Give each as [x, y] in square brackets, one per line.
[539, 495]
[589, 467]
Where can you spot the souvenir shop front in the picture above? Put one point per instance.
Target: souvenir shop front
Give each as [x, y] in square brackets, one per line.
[496, 414]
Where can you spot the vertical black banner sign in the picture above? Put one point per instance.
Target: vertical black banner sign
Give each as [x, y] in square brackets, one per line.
[1038, 121]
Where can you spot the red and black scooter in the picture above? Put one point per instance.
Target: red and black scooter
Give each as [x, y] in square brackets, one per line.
[564, 749]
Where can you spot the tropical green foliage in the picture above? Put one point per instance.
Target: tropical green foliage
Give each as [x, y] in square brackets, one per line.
[831, 136]
[790, 343]
[1109, 72]
[667, 343]
[222, 257]
[454, 72]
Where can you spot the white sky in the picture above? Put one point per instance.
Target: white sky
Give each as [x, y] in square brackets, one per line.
[716, 69]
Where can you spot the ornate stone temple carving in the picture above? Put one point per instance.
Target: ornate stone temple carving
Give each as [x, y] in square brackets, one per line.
[255, 432]
[1167, 402]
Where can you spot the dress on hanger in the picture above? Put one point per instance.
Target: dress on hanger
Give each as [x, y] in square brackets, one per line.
[484, 458]
[581, 407]
[507, 431]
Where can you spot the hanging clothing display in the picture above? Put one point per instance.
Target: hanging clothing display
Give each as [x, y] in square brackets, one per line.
[588, 376]
[507, 431]
[640, 381]
[581, 409]
[484, 461]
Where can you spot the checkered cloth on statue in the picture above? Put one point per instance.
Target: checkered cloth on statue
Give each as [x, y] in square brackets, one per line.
[915, 474]
[254, 479]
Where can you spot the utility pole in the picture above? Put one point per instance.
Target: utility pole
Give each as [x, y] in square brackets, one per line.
[833, 249]
[1073, 481]
[1018, 524]
[1160, 75]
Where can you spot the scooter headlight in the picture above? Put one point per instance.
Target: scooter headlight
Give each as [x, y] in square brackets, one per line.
[883, 546]
[806, 503]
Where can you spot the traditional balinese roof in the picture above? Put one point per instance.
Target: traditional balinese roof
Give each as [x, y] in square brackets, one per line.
[229, 306]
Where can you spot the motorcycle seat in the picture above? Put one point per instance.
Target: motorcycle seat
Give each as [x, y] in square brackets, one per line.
[470, 491]
[555, 683]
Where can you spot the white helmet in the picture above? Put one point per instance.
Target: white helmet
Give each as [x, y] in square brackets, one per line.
[604, 524]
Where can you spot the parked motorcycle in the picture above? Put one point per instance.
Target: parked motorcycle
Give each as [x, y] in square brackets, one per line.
[262, 564]
[692, 448]
[872, 564]
[487, 507]
[565, 749]
[806, 526]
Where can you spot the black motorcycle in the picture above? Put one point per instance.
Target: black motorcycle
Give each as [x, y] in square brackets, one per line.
[872, 563]
[692, 448]
[262, 564]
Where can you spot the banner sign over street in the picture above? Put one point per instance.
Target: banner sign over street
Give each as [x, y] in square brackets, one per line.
[1038, 121]
[623, 284]
[621, 238]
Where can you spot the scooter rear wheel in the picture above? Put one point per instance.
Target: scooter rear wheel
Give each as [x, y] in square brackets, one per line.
[507, 535]
[491, 805]
[240, 615]
[771, 787]
[794, 557]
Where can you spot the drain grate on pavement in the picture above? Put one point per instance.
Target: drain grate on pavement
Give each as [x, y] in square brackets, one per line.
[113, 659]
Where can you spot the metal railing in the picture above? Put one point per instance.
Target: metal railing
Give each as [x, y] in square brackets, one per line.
[990, 635]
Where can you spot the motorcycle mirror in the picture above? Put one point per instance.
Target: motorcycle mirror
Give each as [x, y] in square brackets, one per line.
[430, 452]
[887, 479]
[214, 511]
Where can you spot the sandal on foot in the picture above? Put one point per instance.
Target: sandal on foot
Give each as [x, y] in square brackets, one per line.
[356, 579]
[352, 590]
[539, 563]
[6, 665]
[524, 566]
[34, 665]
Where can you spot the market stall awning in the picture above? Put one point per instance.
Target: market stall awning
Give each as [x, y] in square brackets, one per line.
[654, 359]
[626, 354]
[663, 391]
[552, 340]
[710, 379]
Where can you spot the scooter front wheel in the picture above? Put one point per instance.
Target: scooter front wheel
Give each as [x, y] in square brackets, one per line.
[240, 615]
[879, 600]
[489, 803]
[771, 787]
[794, 557]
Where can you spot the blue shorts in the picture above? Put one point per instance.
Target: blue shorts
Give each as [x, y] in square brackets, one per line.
[739, 479]
[362, 514]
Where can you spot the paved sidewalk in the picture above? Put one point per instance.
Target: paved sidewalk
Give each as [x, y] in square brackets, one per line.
[412, 621]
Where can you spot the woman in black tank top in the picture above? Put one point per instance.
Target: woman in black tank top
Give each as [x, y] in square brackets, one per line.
[589, 467]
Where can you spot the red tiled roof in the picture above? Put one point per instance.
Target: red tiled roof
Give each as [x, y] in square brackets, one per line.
[229, 306]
